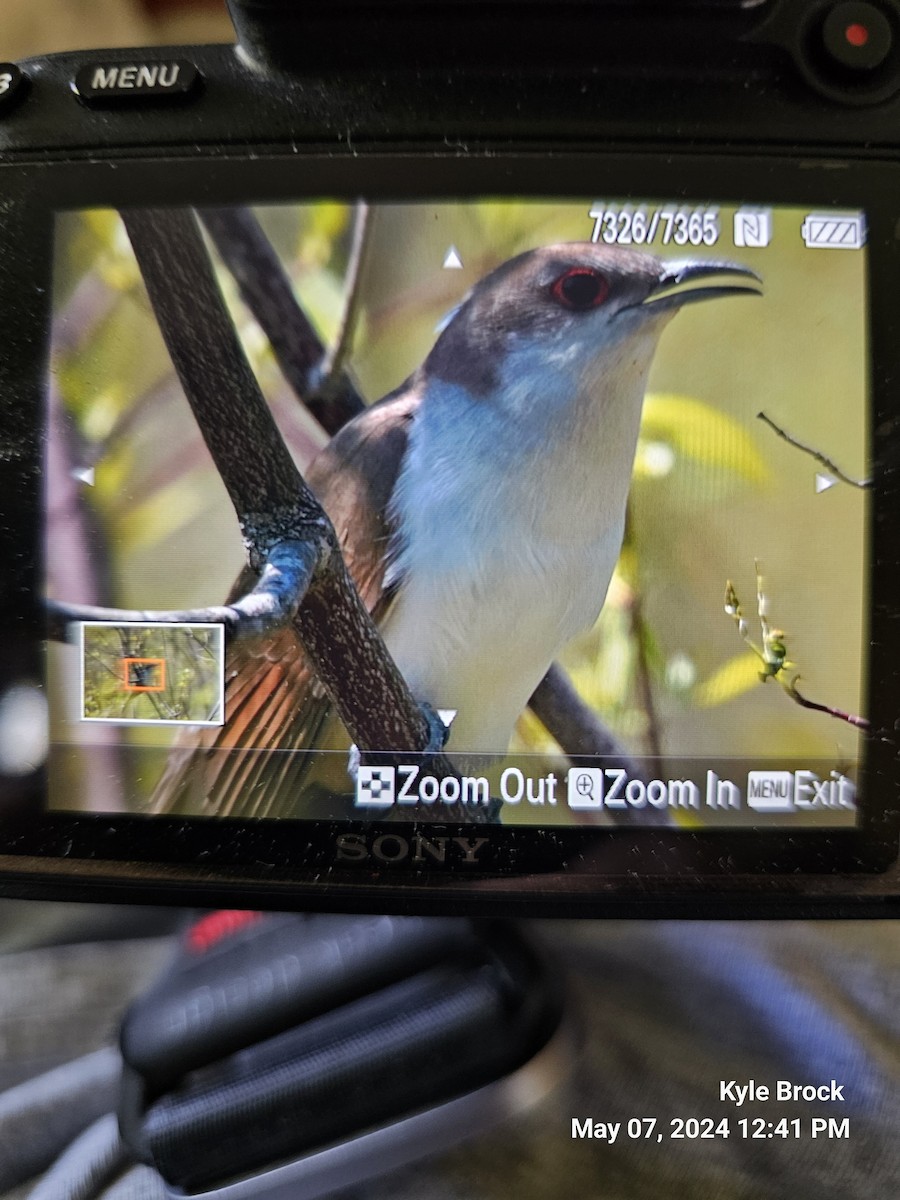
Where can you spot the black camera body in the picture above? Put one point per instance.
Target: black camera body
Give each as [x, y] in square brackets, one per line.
[473, 133]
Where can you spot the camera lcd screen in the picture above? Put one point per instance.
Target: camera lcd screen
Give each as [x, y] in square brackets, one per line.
[635, 444]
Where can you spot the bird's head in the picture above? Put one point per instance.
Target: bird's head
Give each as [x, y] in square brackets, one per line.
[577, 309]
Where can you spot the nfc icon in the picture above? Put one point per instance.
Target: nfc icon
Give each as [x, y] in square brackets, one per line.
[753, 227]
[375, 787]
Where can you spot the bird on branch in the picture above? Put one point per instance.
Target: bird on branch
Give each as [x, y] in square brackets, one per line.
[480, 509]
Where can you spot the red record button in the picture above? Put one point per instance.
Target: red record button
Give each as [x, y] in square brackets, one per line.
[12, 85]
[858, 36]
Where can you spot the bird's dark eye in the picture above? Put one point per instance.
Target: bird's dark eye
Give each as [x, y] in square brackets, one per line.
[580, 288]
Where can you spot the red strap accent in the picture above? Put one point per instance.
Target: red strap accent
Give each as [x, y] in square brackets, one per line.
[215, 926]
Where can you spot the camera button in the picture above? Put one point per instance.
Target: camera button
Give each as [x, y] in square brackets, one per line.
[12, 86]
[133, 82]
[857, 36]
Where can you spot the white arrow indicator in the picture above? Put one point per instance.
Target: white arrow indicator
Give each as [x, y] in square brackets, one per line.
[84, 475]
[824, 482]
[452, 261]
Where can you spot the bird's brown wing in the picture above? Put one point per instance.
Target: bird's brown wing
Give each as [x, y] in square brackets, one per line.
[254, 765]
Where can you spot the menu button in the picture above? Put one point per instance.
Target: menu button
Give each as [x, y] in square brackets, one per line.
[134, 82]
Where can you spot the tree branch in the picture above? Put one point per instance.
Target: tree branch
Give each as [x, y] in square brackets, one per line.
[284, 581]
[266, 290]
[269, 496]
[576, 727]
[581, 734]
[288, 535]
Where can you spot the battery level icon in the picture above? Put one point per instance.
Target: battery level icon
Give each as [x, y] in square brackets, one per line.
[834, 231]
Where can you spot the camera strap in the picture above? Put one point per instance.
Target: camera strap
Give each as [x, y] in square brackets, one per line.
[296, 1054]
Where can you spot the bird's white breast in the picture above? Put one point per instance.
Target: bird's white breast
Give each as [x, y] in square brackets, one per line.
[510, 517]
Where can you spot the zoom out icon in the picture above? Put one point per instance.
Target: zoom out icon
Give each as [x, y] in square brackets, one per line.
[375, 787]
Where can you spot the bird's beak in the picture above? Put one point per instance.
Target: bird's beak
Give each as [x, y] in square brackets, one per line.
[679, 279]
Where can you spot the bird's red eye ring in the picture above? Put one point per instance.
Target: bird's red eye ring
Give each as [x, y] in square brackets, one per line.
[580, 289]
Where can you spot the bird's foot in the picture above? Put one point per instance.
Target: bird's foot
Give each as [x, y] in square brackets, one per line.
[438, 722]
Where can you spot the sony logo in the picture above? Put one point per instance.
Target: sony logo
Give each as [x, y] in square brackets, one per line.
[392, 848]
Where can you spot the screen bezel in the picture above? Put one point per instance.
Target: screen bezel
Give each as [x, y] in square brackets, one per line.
[627, 859]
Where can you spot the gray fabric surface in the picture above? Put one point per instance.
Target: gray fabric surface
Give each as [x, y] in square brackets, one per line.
[667, 1010]
[139, 1183]
[51, 1110]
[61, 1002]
[27, 925]
[670, 1009]
[95, 1158]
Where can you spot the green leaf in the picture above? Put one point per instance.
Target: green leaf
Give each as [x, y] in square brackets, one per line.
[699, 432]
[735, 677]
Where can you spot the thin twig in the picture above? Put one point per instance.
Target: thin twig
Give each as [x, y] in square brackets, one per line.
[335, 360]
[642, 673]
[642, 666]
[839, 713]
[773, 656]
[820, 458]
[77, 565]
